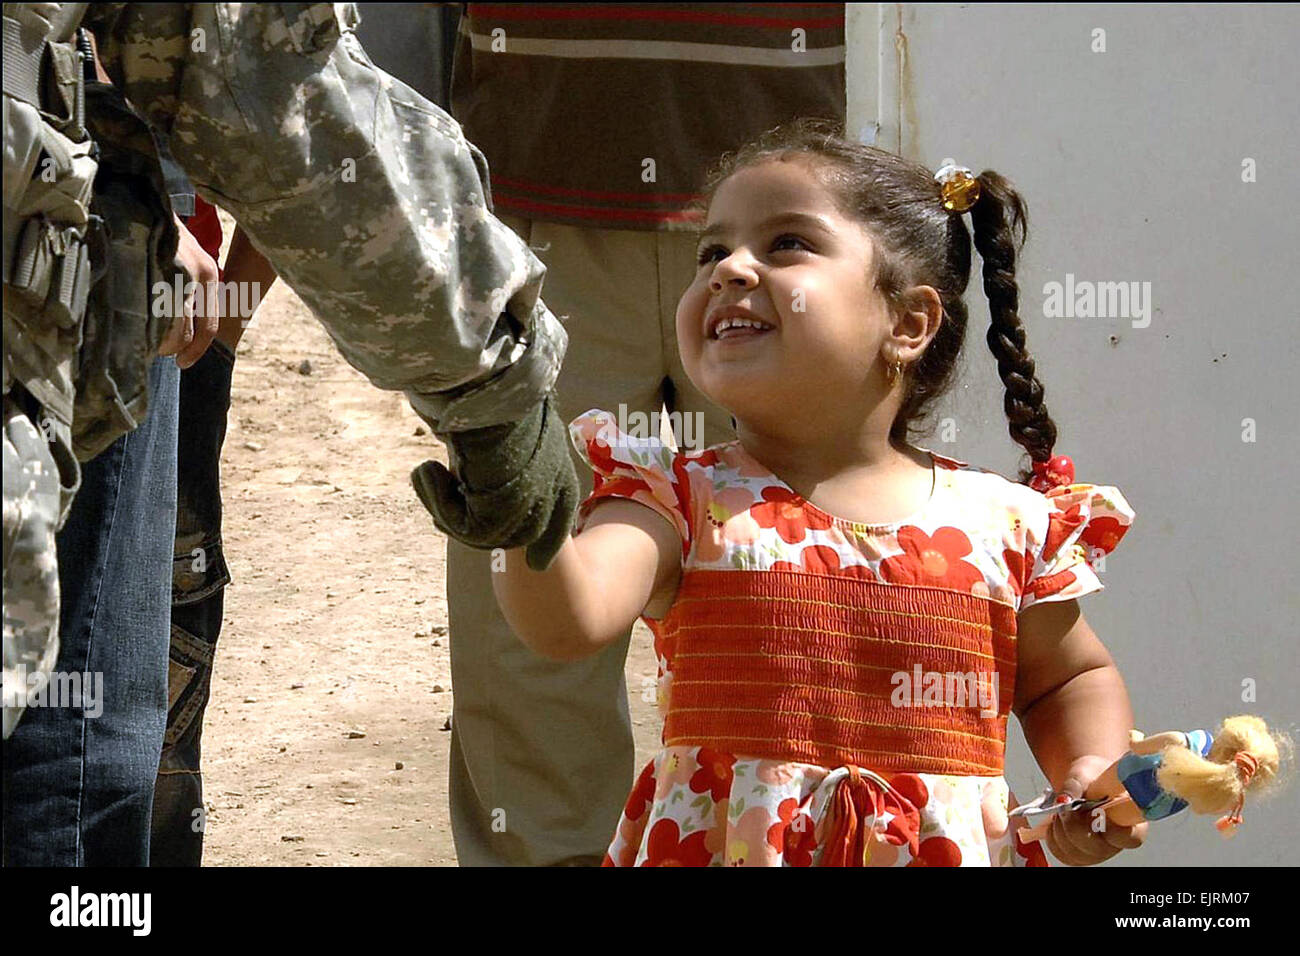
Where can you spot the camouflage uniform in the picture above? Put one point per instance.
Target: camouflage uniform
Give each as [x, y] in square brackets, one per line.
[31, 573]
[365, 197]
[49, 171]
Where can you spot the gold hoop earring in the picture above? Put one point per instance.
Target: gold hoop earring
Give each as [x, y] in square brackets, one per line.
[895, 372]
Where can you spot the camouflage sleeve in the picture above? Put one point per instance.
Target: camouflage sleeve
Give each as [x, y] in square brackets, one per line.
[366, 197]
[31, 576]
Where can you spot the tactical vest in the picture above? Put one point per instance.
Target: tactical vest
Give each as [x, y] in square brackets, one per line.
[88, 233]
[125, 321]
[49, 173]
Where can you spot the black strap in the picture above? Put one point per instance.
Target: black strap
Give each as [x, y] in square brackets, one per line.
[88, 74]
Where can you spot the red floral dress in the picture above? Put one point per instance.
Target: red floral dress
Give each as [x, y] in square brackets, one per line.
[980, 538]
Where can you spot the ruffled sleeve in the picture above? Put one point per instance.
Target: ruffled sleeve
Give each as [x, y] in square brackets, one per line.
[1076, 527]
[640, 469]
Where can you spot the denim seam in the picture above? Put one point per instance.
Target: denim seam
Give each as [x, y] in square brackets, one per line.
[90, 639]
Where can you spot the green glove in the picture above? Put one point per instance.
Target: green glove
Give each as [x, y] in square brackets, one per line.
[517, 486]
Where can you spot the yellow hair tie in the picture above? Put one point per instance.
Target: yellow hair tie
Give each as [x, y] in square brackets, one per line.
[958, 185]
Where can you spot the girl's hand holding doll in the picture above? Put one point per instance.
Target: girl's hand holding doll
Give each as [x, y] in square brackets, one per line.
[1166, 773]
[1075, 838]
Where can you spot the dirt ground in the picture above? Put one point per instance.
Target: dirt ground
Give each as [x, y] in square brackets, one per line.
[326, 741]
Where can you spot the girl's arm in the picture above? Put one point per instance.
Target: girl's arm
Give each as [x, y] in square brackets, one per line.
[1070, 697]
[602, 579]
[244, 264]
[1076, 717]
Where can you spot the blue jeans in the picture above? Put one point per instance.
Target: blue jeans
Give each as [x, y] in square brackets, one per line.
[199, 577]
[79, 781]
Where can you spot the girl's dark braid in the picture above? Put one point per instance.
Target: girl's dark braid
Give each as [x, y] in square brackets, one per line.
[1000, 226]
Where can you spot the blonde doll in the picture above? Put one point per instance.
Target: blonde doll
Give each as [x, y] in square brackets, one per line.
[1212, 773]
[1165, 773]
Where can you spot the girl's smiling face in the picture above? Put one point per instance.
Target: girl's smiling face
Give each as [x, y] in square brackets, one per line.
[777, 246]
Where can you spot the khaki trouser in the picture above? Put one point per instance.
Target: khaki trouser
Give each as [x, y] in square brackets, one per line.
[541, 752]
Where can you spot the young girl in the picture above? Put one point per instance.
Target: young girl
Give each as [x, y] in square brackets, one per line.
[843, 621]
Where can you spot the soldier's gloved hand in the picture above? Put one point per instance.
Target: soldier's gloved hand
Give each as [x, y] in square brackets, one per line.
[517, 486]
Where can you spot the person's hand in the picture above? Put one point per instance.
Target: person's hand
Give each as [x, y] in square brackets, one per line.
[194, 328]
[515, 486]
[1073, 837]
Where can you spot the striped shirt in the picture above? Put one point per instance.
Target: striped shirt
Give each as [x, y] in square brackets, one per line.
[610, 115]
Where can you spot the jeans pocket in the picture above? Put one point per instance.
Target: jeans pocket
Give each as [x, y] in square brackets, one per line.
[179, 677]
[189, 674]
[199, 571]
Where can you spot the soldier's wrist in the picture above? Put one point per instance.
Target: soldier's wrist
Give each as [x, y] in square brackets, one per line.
[489, 458]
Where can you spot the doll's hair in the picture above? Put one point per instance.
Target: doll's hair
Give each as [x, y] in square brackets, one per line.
[1213, 784]
[917, 242]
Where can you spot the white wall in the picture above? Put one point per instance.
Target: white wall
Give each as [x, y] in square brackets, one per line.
[1131, 162]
